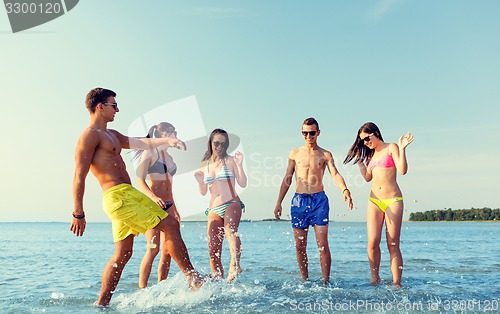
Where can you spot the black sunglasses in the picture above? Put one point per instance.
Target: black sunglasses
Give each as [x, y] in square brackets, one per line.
[367, 139]
[217, 144]
[311, 133]
[115, 105]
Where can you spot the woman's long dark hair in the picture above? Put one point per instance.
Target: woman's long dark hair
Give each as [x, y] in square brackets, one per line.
[210, 151]
[154, 132]
[358, 151]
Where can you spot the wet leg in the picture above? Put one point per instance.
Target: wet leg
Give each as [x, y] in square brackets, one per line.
[175, 246]
[232, 219]
[152, 249]
[164, 264]
[325, 257]
[393, 221]
[113, 269]
[215, 238]
[300, 236]
[374, 223]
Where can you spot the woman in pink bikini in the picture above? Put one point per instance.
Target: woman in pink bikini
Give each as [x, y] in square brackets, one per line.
[379, 161]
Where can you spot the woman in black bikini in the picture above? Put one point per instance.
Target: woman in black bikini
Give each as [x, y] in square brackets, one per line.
[158, 167]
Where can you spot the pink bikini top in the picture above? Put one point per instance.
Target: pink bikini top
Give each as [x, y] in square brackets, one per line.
[386, 161]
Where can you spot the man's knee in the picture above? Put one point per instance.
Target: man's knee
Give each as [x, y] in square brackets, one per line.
[172, 221]
[301, 245]
[122, 256]
[323, 247]
[168, 225]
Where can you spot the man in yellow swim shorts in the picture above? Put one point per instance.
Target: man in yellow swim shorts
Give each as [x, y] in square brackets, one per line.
[131, 212]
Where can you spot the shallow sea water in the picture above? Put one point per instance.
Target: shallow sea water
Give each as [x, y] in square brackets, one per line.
[449, 267]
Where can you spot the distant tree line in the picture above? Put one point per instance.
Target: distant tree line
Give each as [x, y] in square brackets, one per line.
[473, 214]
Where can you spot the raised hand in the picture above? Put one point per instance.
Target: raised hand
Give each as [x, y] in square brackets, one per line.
[238, 158]
[198, 175]
[177, 143]
[405, 140]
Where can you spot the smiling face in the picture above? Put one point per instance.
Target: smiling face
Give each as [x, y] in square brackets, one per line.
[310, 133]
[370, 140]
[219, 145]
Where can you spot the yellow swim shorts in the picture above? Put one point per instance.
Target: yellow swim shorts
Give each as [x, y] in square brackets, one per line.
[131, 212]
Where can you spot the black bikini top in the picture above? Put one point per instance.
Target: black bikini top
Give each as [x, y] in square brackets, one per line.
[160, 166]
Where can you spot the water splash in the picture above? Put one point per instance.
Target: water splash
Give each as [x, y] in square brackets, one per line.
[57, 295]
[174, 295]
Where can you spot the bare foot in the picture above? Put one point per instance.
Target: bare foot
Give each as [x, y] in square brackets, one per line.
[233, 273]
[375, 281]
[217, 275]
[396, 285]
[196, 280]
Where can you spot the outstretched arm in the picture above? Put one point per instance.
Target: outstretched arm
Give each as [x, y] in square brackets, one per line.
[84, 154]
[145, 143]
[285, 185]
[338, 179]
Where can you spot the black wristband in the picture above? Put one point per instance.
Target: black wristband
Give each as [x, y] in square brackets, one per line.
[78, 216]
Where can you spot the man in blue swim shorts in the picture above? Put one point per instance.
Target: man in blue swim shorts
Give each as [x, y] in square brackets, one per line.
[130, 211]
[309, 210]
[310, 204]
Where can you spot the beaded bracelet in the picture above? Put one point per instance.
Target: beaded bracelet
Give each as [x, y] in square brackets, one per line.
[78, 216]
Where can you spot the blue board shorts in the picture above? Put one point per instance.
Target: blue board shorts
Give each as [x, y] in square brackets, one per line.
[309, 210]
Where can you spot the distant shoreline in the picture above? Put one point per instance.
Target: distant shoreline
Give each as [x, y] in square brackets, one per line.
[244, 221]
[448, 214]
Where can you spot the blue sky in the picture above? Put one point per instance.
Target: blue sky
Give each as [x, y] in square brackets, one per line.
[258, 69]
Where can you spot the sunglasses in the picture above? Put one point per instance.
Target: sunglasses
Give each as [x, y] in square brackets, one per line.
[115, 105]
[311, 133]
[217, 144]
[367, 139]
